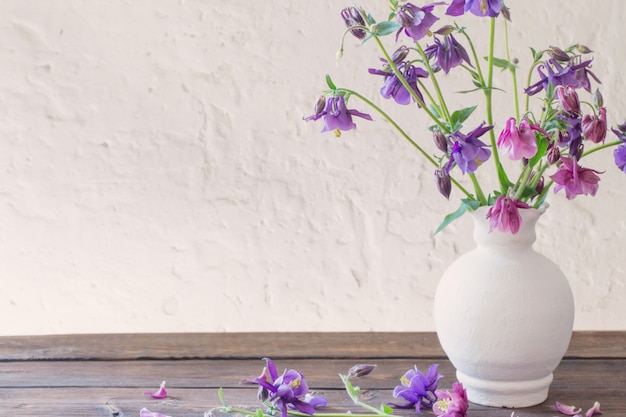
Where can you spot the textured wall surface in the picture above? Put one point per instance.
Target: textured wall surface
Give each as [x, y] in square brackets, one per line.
[157, 174]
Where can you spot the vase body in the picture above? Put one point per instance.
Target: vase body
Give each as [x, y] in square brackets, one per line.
[504, 316]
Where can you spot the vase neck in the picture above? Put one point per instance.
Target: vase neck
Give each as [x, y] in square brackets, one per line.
[524, 237]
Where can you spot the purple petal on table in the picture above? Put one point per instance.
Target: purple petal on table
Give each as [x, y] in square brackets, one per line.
[568, 410]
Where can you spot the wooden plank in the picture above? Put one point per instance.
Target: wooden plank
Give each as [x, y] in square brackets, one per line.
[256, 345]
[124, 402]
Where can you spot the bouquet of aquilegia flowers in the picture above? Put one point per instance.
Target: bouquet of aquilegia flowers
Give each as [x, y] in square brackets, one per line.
[549, 145]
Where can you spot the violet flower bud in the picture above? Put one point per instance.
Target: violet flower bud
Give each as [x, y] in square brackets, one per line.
[399, 54]
[440, 140]
[583, 49]
[320, 105]
[352, 17]
[558, 54]
[444, 30]
[360, 370]
[553, 155]
[444, 184]
[578, 152]
[540, 185]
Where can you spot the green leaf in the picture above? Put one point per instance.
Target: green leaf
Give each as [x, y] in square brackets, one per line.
[542, 147]
[502, 63]
[386, 409]
[330, 83]
[505, 183]
[259, 413]
[465, 205]
[459, 116]
[385, 28]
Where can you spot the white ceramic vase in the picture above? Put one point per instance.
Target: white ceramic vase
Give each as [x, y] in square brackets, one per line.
[504, 316]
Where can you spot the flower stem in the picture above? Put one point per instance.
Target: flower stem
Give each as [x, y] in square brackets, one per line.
[405, 136]
[603, 146]
[433, 78]
[513, 70]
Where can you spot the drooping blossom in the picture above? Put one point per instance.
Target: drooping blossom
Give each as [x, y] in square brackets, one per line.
[353, 17]
[335, 114]
[447, 54]
[619, 154]
[575, 179]
[451, 404]
[594, 127]
[573, 135]
[489, 8]
[160, 393]
[144, 412]
[519, 142]
[287, 390]
[468, 152]
[416, 21]
[393, 87]
[417, 389]
[572, 74]
[568, 98]
[504, 214]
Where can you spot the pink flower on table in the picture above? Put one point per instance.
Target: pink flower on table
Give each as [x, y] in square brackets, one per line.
[160, 393]
[147, 413]
[519, 142]
[451, 404]
[570, 410]
[504, 214]
[575, 179]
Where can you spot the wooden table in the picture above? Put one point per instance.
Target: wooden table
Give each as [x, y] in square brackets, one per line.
[106, 375]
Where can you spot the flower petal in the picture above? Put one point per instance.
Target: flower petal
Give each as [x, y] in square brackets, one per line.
[160, 393]
[568, 410]
[147, 413]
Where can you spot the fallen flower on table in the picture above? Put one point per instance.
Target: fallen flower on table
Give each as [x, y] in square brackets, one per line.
[417, 389]
[158, 394]
[570, 410]
[147, 413]
[451, 404]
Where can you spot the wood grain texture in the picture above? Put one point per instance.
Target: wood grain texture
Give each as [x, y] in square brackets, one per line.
[106, 375]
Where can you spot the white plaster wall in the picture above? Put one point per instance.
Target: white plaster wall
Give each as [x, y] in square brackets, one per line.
[156, 174]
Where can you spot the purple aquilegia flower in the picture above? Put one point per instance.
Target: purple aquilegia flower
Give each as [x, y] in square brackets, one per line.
[416, 21]
[353, 17]
[447, 54]
[289, 389]
[489, 8]
[336, 115]
[417, 389]
[594, 127]
[575, 75]
[160, 393]
[519, 142]
[393, 87]
[451, 404]
[575, 179]
[619, 153]
[573, 135]
[467, 151]
[504, 214]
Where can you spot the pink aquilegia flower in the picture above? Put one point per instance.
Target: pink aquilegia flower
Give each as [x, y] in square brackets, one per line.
[147, 413]
[575, 179]
[519, 142]
[594, 127]
[158, 394]
[568, 98]
[504, 214]
[451, 404]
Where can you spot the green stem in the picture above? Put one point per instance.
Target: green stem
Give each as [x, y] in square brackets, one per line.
[513, 70]
[479, 192]
[299, 414]
[405, 136]
[433, 78]
[603, 146]
[521, 184]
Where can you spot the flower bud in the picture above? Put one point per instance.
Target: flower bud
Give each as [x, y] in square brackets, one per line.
[360, 370]
[594, 127]
[352, 17]
[540, 185]
[445, 30]
[578, 152]
[444, 184]
[583, 49]
[558, 54]
[506, 12]
[568, 98]
[598, 100]
[553, 155]
[440, 140]
[399, 54]
[320, 105]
